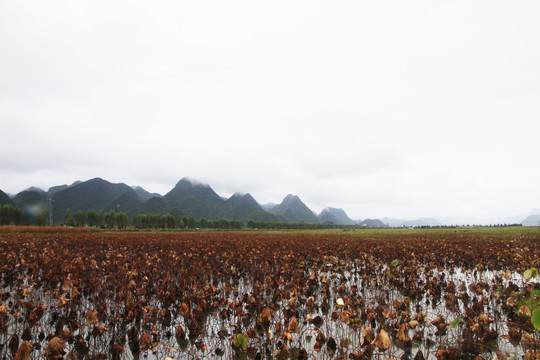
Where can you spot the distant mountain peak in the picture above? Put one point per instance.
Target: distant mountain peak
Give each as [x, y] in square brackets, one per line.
[293, 209]
[96, 179]
[292, 199]
[34, 188]
[192, 182]
[335, 215]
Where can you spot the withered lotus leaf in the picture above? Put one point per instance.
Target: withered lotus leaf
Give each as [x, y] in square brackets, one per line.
[382, 341]
[331, 344]
[283, 353]
[91, 317]
[511, 302]
[321, 338]
[4, 309]
[266, 315]
[367, 336]
[184, 309]
[287, 336]
[524, 311]
[293, 325]
[62, 301]
[101, 329]
[529, 355]
[24, 351]
[403, 334]
[214, 284]
[442, 354]
[66, 286]
[528, 342]
[345, 317]
[180, 333]
[26, 292]
[55, 348]
[484, 320]
[13, 344]
[145, 341]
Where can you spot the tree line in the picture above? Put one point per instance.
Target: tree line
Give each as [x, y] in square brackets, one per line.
[119, 220]
[13, 215]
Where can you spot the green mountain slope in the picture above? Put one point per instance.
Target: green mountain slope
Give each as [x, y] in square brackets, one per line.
[195, 199]
[95, 194]
[241, 206]
[294, 210]
[4, 199]
[128, 203]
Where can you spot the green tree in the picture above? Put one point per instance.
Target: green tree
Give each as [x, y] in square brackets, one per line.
[10, 215]
[68, 218]
[204, 223]
[139, 222]
[171, 221]
[121, 220]
[185, 221]
[190, 222]
[110, 219]
[92, 218]
[43, 218]
[101, 219]
[80, 218]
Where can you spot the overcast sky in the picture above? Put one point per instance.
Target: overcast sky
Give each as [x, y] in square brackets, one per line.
[383, 108]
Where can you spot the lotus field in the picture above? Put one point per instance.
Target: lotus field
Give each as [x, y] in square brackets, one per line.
[422, 294]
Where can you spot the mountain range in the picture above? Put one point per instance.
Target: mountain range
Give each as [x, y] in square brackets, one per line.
[191, 198]
[187, 197]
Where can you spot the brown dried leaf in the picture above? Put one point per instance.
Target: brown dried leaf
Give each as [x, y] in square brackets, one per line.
[524, 311]
[484, 319]
[100, 328]
[184, 309]
[287, 336]
[382, 341]
[62, 301]
[145, 341]
[266, 315]
[55, 347]
[367, 335]
[91, 317]
[403, 333]
[345, 317]
[293, 325]
[529, 355]
[528, 342]
[511, 302]
[24, 351]
[66, 286]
